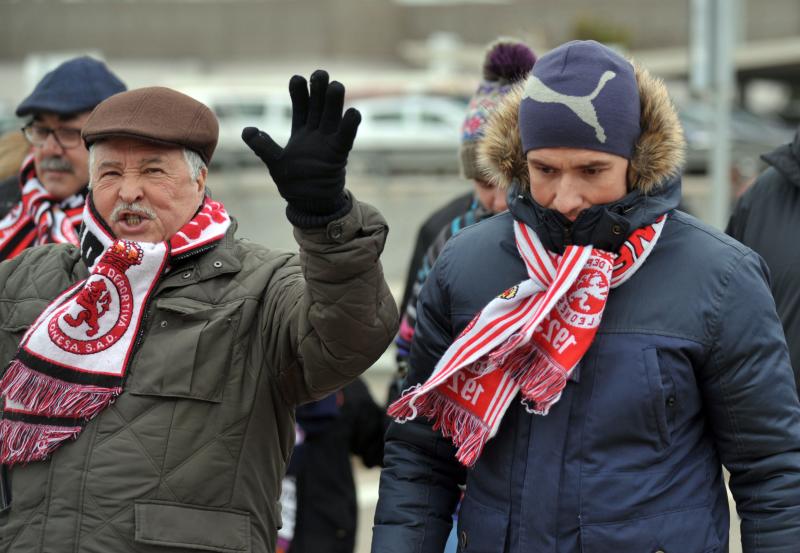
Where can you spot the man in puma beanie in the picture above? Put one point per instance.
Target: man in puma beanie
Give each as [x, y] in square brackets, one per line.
[586, 363]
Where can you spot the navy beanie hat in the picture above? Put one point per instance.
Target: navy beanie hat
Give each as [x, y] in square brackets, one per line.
[75, 86]
[581, 95]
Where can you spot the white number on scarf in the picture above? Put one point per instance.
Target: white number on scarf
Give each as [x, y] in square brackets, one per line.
[469, 391]
[560, 338]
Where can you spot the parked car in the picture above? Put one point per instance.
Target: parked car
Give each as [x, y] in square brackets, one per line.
[235, 111]
[751, 136]
[412, 133]
[403, 133]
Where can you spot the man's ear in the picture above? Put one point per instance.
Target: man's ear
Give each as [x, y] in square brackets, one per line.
[201, 181]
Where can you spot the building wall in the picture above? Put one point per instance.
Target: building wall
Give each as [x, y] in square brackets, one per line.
[263, 30]
[212, 31]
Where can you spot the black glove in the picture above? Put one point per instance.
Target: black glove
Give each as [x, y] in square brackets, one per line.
[310, 170]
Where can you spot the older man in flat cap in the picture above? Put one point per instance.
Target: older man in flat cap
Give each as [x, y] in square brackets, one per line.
[50, 190]
[148, 406]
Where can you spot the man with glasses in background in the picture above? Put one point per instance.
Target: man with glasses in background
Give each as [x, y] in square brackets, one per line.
[53, 178]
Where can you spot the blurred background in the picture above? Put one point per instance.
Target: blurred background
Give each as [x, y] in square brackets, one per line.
[410, 66]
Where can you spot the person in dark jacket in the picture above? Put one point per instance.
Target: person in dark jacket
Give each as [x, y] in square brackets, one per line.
[427, 233]
[767, 219]
[52, 182]
[506, 62]
[587, 362]
[330, 430]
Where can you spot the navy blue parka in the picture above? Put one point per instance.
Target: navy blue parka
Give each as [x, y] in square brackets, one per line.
[688, 372]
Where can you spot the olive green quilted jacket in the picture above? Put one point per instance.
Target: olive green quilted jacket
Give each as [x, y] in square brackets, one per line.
[190, 457]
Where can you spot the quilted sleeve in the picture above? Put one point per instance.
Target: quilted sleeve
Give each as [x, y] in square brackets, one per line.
[339, 317]
[753, 408]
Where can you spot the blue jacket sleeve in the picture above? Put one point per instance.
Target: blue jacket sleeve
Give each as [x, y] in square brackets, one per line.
[753, 409]
[419, 482]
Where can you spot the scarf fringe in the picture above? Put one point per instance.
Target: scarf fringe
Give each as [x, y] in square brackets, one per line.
[22, 442]
[45, 396]
[541, 383]
[467, 431]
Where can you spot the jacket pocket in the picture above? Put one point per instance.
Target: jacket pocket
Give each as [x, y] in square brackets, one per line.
[687, 531]
[191, 527]
[481, 529]
[662, 394]
[186, 352]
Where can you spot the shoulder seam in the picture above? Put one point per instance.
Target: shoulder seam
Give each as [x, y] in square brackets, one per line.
[739, 248]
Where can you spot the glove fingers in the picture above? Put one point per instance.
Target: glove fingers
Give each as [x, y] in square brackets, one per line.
[262, 144]
[332, 111]
[316, 103]
[348, 128]
[298, 91]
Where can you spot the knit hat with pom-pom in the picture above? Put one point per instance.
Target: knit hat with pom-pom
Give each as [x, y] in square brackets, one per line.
[506, 63]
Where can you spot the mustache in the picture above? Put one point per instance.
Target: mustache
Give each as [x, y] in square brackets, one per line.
[54, 163]
[135, 208]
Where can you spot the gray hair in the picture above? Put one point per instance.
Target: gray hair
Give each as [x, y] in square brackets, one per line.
[193, 161]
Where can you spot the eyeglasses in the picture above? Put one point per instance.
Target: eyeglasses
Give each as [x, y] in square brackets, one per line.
[66, 137]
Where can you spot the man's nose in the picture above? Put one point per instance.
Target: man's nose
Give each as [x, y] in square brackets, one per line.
[567, 200]
[130, 189]
[51, 147]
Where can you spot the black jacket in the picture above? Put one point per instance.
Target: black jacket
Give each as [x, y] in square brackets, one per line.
[427, 233]
[327, 509]
[767, 218]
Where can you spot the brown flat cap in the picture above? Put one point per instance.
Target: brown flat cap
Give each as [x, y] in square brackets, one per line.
[156, 114]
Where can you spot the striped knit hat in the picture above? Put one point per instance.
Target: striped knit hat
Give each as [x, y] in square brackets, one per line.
[507, 62]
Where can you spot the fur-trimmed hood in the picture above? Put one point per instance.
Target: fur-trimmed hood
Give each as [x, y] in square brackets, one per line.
[658, 154]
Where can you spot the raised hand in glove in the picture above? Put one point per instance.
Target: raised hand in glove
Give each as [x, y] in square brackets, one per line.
[310, 169]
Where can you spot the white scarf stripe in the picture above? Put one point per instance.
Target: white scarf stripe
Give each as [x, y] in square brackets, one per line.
[533, 247]
[507, 392]
[528, 251]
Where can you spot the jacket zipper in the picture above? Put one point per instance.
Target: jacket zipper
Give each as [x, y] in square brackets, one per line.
[192, 253]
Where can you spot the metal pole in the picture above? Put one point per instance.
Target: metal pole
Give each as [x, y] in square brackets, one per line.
[700, 47]
[724, 39]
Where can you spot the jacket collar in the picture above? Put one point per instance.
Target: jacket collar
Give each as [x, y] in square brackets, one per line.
[219, 260]
[605, 227]
[786, 160]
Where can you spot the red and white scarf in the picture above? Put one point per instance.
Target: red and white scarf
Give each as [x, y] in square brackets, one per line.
[528, 339]
[72, 362]
[38, 218]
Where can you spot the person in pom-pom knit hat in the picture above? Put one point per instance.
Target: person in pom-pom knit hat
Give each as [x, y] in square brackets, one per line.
[507, 61]
[586, 363]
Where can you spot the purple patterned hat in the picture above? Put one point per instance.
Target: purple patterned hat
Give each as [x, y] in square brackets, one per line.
[507, 62]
